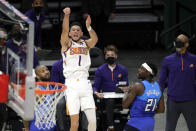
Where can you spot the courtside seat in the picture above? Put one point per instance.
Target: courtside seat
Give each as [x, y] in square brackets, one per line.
[97, 59]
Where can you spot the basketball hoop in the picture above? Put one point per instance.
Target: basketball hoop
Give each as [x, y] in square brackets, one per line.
[45, 103]
[47, 95]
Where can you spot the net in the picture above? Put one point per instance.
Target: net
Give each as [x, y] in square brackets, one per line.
[47, 95]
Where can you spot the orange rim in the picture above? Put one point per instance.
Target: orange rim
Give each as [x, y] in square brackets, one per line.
[22, 87]
[49, 91]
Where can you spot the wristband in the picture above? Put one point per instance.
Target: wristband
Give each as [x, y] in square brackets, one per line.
[89, 28]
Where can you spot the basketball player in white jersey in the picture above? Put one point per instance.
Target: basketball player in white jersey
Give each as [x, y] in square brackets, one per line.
[76, 62]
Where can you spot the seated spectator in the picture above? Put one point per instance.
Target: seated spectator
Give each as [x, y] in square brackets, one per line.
[37, 15]
[3, 38]
[17, 44]
[107, 76]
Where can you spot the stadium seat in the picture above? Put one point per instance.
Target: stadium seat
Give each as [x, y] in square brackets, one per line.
[97, 59]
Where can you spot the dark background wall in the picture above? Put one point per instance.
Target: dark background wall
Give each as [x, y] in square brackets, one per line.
[138, 23]
[178, 11]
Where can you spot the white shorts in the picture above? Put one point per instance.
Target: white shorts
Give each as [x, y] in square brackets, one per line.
[79, 94]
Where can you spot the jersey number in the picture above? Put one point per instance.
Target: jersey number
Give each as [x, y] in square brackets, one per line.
[150, 103]
[79, 60]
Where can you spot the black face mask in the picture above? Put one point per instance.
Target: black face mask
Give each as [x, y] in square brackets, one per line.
[17, 35]
[111, 60]
[179, 44]
[37, 10]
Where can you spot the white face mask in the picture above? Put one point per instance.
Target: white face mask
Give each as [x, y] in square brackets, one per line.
[178, 49]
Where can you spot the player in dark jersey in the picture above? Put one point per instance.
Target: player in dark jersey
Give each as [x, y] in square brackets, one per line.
[145, 98]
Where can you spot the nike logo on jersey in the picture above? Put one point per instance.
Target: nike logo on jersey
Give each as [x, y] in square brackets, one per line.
[79, 50]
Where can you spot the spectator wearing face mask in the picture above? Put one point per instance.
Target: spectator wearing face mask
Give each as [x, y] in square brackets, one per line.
[17, 44]
[178, 74]
[37, 15]
[107, 76]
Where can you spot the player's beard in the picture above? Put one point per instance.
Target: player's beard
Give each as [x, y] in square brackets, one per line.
[140, 77]
[45, 79]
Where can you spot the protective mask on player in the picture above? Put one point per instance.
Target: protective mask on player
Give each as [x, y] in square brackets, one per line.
[111, 60]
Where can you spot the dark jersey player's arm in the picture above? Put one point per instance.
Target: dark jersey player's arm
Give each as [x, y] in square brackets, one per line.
[132, 93]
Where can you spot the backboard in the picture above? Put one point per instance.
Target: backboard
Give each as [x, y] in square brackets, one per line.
[19, 64]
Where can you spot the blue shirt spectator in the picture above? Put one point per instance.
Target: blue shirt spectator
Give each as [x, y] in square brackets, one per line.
[20, 49]
[37, 15]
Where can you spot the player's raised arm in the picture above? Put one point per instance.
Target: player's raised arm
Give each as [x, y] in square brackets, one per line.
[93, 36]
[65, 29]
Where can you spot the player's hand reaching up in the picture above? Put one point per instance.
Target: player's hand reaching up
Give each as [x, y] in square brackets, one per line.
[67, 11]
[88, 21]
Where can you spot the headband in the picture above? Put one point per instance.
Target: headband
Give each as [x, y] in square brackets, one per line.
[147, 67]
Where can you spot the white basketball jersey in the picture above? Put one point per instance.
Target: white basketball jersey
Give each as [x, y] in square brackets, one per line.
[76, 61]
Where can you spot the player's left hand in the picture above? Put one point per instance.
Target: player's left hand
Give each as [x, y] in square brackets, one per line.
[88, 21]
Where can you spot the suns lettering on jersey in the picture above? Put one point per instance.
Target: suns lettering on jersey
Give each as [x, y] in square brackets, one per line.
[79, 50]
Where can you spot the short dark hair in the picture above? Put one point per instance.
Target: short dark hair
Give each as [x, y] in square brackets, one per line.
[76, 23]
[110, 48]
[153, 67]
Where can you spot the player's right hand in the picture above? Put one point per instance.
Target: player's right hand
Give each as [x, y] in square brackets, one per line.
[67, 11]
[88, 21]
